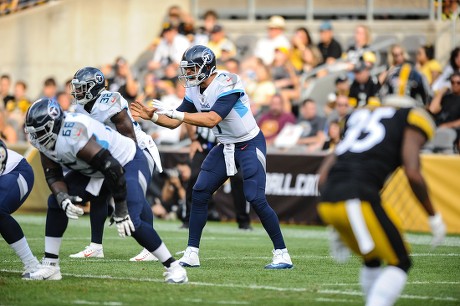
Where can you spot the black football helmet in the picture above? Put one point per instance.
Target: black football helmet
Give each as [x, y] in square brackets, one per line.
[43, 123]
[3, 156]
[87, 84]
[197, 64]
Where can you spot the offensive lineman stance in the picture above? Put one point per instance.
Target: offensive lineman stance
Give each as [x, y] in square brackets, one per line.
[103, 163]
[109, 108]
[16, 182]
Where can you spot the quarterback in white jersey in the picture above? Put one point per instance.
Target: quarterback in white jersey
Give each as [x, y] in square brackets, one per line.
[92, 151]
[16, 181]
[217, 100]
[110, 108]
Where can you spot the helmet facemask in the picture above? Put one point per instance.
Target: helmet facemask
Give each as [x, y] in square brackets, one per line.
[81, 91]
[191, 74]
[43, 136]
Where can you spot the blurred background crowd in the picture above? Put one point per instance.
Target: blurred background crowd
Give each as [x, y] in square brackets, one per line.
[300, 88]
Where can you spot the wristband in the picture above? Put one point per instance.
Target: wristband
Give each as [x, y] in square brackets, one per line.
[178, 115]
[154, 118]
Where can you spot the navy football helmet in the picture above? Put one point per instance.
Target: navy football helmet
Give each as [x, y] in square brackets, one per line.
[3, 156]
[43, 123]
[197, 64]
[87, 84]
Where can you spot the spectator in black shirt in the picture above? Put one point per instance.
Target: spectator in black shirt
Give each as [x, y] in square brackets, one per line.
[364, 85]
[329, 47]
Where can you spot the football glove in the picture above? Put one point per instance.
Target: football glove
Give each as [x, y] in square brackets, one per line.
[164, 109]
[438, 229]
[122, 220]
[338, 250]
[124, 225]
[67, 204]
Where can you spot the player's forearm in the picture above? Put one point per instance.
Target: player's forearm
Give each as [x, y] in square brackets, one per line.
[209, 120]
[167, 122]
[418, 186]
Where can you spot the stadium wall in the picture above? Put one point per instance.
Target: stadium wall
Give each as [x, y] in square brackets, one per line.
[59, 37]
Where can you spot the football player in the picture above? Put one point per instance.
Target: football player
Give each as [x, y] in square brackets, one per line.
[110, 108]
[217, 100]
[16, 182]
[103, 164]
[376, 142]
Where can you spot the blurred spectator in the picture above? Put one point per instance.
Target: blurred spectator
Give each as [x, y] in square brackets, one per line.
[21, 102]
[342, 88]
[405, 81]
[301, 42]
[232, 65]
[285, 78]
[7, 131]
[174, 188]
[427, 64]
[341, 108]
[333, 136]
[450, 9]
[49, 88]
[210, 19]
[260, 87]
[180, 20]
[276, 38]
[313, 126]
[150, 90]
[5, 96]
[446, 106]
[361, 43]
[170, 49]
[451, 67]
[275, 118]
[65, 101]
[397, 56]
[364, 85]
[219, 43]
[122, 80]
[330, 48]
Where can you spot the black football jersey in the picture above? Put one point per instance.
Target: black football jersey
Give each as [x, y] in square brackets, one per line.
[371, 151]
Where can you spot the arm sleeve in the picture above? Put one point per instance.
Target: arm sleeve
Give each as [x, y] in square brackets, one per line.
[224, 104]
[187, 106]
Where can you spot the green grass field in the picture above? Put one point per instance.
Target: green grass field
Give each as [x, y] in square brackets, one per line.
[231, 273]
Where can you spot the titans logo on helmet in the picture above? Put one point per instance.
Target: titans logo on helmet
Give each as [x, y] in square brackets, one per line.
[206, 56]
[99, 77]
[54, 110]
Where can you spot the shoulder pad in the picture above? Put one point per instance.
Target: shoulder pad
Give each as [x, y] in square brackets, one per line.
[419, 118]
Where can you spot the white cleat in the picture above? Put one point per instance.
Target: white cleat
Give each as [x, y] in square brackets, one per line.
[190, 258]
[281, 260]
[31, 267]
[175, 274]
[89, 252]
[47, 270]
[144, 255]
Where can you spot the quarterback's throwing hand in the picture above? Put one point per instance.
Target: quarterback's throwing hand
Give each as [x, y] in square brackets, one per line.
[164, 109]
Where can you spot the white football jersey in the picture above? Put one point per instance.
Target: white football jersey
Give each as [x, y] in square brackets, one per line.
[13, 160]
[107, 105]
[239, 125]
[76, 131]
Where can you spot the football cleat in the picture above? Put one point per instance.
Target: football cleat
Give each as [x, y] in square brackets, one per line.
[90, 251]
[144, 255]
[190, 258]
[47, 270]
[175, 274]
[31, 266]
[281, 260]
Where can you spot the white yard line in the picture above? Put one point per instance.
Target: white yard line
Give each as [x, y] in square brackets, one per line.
[254, 287]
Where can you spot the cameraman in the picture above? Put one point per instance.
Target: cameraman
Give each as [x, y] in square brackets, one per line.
[173, 192]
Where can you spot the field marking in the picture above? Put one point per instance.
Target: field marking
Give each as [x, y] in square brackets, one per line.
[258, 287]
[84, 302]
[216, 302]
